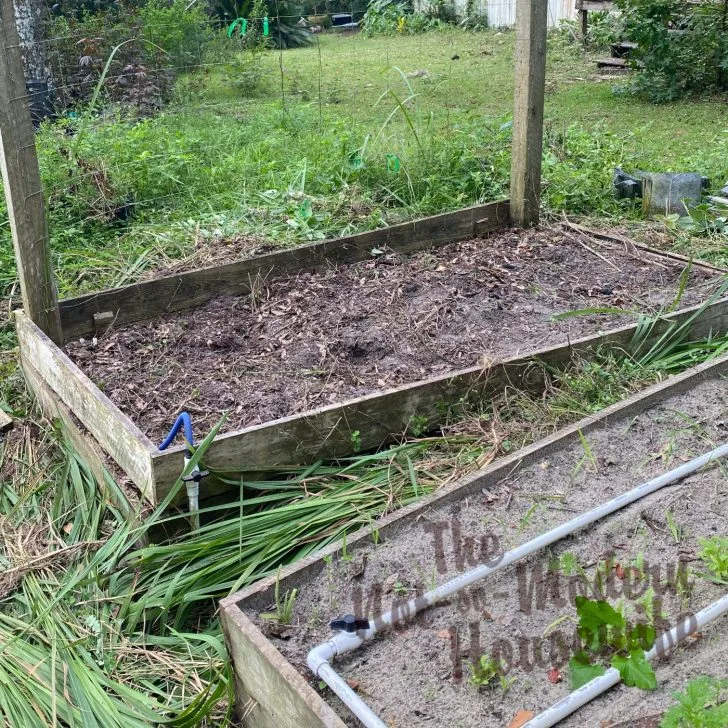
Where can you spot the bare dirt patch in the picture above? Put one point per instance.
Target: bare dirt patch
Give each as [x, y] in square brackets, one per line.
[313, 339]
[644, 557]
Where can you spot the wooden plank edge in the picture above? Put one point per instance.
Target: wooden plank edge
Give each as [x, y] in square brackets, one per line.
[491, 474]
[425, 232]
[248, 647]
[85, 444]
[128, 446]
[595, 5]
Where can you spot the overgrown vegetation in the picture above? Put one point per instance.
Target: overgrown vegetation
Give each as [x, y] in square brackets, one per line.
[71, 652]
[389, 17]
[145, 46]
[682, 47]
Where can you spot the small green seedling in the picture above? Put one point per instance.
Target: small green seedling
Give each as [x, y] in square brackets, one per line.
[356, 441]
[488, 671]
[605, 633]
[714, 554]
[638, 565]
[375, 532]
[526, 520]
[284, 607]
[400, 589]
[673, 527]
[702, 704]
[648, 601]
[569, 564]
[588, 456]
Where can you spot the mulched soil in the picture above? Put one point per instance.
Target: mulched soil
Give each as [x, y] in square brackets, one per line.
[314, 339]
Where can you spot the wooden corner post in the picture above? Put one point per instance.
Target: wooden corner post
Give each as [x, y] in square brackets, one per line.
[21, 180]
[530, 78]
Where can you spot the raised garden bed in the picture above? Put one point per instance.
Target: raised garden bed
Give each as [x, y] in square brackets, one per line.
[340, 345]
[417, 674]
[316, 338]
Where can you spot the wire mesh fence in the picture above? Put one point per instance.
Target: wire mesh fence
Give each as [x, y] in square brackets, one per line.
[165, 132]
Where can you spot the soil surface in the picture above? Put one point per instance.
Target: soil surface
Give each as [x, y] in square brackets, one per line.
[313, 339]
[644, 557]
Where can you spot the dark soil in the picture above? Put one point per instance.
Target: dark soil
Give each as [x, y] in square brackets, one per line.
[314, 339]
[414, 676]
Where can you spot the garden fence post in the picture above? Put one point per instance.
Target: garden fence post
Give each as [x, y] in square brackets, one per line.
[21, 180]
[530, 78]
[583, 25]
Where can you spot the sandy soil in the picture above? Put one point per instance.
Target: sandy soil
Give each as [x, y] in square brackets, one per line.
[317, 338]
[416, 676]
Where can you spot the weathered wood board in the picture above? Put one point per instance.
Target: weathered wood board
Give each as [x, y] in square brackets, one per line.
[188, 290]
[267, 682]
[85, 444]
[528, 106]
[269, 673]
[599, 6]
[41, 359]
[22, 184]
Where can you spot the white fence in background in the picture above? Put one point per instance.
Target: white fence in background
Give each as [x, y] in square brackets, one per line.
[502, 13]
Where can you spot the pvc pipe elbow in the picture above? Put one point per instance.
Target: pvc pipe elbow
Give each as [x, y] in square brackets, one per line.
[339, 644]
[320, 655]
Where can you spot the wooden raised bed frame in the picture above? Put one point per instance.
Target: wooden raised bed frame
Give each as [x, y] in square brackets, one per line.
[281, 696]
[66, 392]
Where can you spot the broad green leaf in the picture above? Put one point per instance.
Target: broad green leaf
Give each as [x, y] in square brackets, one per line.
[582, 671]
[635, 670]
[595, 616]
[641, 636]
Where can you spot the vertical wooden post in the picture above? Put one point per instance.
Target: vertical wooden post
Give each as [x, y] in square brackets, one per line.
[583, 24]
[21, 180]
[530, 77]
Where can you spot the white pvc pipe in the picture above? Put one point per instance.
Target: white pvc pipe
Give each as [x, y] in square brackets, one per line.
[558, 711]
[193, 496]
[449, 588]
[319, 659]
[352, 701]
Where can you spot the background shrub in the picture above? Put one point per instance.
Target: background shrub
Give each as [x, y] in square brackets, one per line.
[682, 47]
